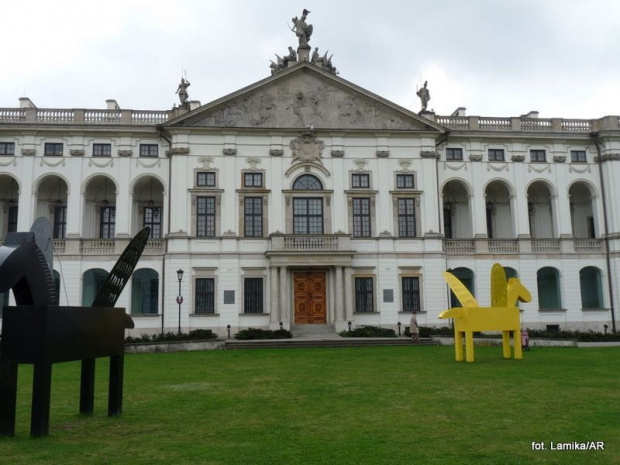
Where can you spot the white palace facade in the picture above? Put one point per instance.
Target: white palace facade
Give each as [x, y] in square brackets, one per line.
[305, 199]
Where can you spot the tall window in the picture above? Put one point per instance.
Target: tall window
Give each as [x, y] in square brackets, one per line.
[60, 222]
[406, 218]
[253, 295]
[496, 155]
[447, 221]
[405, 181]
[7, 148]
[253, 216]
[52, 149]
[149, 150]
[307, 216]
[548, 281]
[538, 155]
[12, 223]
[205, 217]
[253, 179]
[102, 150]
[364, 296]
[205, 179]
[454, 154]
[411, 294]
[578, 156]
[591, 289]
[205, 295]
[107, 222]
[360, 181]
[361, 217]
[152, 219]
[144, 292]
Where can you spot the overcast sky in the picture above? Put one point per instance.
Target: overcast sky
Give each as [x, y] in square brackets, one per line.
[494, 57]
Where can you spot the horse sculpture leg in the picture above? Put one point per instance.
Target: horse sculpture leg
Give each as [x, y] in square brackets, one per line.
[458, 346]
[469, 346]
[506, 343]
[517, 342]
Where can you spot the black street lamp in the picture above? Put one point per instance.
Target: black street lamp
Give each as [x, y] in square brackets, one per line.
[180, 297]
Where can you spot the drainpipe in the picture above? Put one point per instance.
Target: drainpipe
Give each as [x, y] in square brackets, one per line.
[163, 260]
[610, 282]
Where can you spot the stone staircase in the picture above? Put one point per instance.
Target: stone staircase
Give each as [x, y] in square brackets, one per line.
[321, 336]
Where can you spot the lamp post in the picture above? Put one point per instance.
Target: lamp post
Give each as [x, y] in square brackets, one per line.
[180, 297]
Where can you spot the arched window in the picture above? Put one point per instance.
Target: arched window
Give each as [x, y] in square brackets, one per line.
[307, 182]
[93, 280]
[591, 289]
[548, 281]
[144, 292]
[466, 276]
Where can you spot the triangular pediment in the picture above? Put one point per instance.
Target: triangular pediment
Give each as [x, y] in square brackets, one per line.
[304, 96]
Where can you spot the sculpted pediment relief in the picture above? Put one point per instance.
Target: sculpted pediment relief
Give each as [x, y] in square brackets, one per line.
[302, 99]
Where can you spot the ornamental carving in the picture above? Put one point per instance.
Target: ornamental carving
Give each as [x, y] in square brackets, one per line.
[29, 152]
[253, 162]
[276, 152]
[405, 166]
[76, 152]
[337, 153]
[608, 157]
[307, 148]
[205, 162]
[383, 153]
[179, 151]
[125, 153]
[229, 151]
[518, 158]
[475, 158]
[429, 154]
[559, 158]
[360, 165]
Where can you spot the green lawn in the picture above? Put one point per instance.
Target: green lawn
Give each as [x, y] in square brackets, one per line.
[392, 405]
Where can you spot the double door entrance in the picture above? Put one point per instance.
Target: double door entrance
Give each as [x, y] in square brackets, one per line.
[310, 297]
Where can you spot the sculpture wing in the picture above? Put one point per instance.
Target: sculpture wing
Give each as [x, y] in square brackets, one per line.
[499, 287]
[460, 291]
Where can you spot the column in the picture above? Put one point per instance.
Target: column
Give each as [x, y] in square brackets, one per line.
[339, 294]
[348, 294]
[285, 313]
[274, 298]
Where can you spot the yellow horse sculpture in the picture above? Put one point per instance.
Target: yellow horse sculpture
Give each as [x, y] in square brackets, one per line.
[503, 314]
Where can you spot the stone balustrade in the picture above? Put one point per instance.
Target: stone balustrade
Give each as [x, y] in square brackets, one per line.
[82, 116]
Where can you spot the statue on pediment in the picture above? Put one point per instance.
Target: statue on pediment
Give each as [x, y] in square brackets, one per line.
[424, 95]
[302, 30]
[182, 91]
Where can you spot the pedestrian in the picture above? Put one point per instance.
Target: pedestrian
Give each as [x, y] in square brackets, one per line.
[413, 328]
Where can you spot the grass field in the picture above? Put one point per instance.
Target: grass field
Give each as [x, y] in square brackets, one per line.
[383, 405]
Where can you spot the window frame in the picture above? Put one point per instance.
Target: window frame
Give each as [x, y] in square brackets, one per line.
[60, 222]
[154, 225]
[535, 156]
[493, 155]
[356, 181]
[404, 292]
[400, 217]
[251, 219]
[253, 296]
[576, 156]
[252, 176]
[104, 149]
[145, 150]
[404, 177]
[206, 175]
[4, 148]
[107, 227]
[308, 216]
[204, 217]
[53, 149]
[454, 154]
[361, 221]
[364, 295]
[208, 295]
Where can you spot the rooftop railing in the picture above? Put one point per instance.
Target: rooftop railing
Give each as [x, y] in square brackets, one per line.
[524, 124]
[81, 116]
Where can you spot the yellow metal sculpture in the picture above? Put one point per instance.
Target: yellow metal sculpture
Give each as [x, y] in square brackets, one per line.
[503, 314]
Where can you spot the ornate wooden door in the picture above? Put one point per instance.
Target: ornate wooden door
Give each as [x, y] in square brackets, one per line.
[310, 298]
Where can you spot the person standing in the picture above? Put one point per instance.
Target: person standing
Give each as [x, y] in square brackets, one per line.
[413, 328]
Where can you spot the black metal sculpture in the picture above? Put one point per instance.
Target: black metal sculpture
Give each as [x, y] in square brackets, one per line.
[38, 331]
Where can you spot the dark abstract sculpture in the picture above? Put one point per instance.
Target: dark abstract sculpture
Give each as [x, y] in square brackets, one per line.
[37, 331]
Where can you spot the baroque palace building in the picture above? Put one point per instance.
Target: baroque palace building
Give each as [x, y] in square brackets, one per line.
[305, 199]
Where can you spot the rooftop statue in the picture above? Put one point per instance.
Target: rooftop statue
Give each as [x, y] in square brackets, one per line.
[302, 30]
[424, 95]
[182, 90]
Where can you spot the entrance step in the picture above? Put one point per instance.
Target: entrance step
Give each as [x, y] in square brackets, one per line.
[340, 342]
[314, 332]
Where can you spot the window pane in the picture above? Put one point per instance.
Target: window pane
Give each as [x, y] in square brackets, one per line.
[404, 181]
[411, 294]
[360, 180]
[253, 217]
[7, 148]
[102, 150]
[364, 301]
[149, 150]
[361, 217]
[307, 182]
[205, 216]
[406, 217]
[253, 295]
[205, 295]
